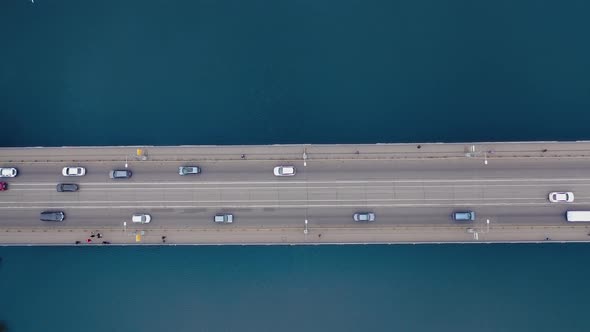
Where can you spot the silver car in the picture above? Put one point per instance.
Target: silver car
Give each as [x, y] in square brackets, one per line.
[464, 216]
[52, 216]
[224, 218]
[363, 216]
[120, 174]
[188, 170]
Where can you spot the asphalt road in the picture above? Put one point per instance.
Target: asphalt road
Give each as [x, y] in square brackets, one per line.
[326, 193]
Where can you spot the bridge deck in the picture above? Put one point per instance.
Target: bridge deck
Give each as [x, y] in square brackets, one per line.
[412, 188]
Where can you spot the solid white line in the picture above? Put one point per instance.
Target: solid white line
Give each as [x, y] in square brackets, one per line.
[276, 206]
[286, 200]
[291, 182]
[363, 187]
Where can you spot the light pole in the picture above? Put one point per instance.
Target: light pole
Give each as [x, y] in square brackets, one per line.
[305, 157]
[472, 151]
[125, 227]
[305, 231]
[126, 164]
[476, 231]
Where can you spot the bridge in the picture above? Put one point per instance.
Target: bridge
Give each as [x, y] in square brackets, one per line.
[413, 189]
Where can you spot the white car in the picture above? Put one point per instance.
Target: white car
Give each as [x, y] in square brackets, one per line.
[561, 197]
[73, 171]
[284, 170]
[8, 172]
[141, 218]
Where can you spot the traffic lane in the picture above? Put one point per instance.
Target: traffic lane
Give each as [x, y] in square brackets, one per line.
[146, 171]
[246, 194]
[502, 187]
[272, 200]
[191, 217]
[452, 169]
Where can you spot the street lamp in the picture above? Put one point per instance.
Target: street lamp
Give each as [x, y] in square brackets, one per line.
[485, 157]
[125, 227]
[305, 157]
[126, 164]
[476, 231]
[305, 230]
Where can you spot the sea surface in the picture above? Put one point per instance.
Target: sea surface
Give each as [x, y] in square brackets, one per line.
[169, 72]
[446, 288]
[172, 72]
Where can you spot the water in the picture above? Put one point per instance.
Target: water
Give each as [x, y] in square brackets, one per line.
[263, 72]
[157, 72]
[335, 288]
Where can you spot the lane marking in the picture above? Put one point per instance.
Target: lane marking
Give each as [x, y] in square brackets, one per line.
[296, 200]
[365, 187]
[291, 182]
[277, 206]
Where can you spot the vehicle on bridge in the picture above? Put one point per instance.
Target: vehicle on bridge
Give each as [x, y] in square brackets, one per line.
[52, 216]
[120, 174]
[67, 187]
[284, 171]
[3, 186]
[363, 216]
[224, 218]
[578, 216]
[141, 218]
[188, 170]
[73, 171]
[561, 197]
[464, 216]
[8, 172]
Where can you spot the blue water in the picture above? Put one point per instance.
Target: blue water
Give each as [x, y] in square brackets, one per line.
[158, 72]
[337, 288]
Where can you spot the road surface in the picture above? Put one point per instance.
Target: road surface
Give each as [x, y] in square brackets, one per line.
[413, 196]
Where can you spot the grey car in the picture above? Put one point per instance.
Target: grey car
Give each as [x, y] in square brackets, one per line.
[52, 216]
[188, 170]
[120, 174]
[464, 216]
[363, 216]
[67, 187]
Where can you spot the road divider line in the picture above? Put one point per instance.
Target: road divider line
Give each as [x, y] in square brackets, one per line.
[138, 205]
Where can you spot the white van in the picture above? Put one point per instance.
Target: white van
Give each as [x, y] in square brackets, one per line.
[578, 216]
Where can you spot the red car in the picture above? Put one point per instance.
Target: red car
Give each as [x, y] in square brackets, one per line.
[3, 186]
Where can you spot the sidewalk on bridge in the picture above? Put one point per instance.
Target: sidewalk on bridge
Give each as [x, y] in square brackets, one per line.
[296, 152]
[400, 234]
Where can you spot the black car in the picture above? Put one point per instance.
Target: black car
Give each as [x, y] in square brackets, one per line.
[52, 216]
[120, 174]
[67, 187]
